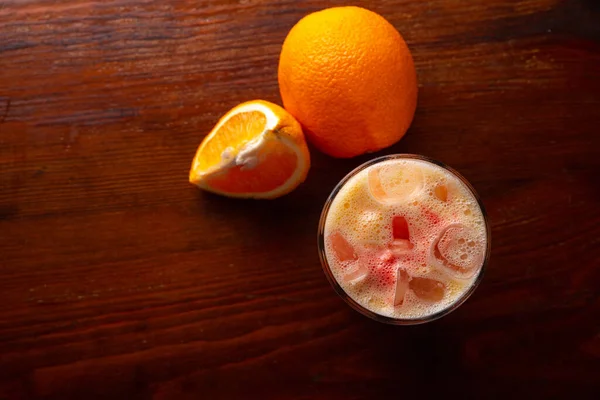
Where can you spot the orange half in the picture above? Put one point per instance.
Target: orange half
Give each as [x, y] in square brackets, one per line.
[257, 150]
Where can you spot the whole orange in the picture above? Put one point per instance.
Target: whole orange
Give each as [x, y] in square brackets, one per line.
[348, 77]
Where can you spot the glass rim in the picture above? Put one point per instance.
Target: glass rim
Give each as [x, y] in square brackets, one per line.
[349, 300]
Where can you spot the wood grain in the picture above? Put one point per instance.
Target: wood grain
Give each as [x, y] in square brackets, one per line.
[118, 279]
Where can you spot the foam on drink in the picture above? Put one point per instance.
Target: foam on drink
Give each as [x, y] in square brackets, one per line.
[405, 238]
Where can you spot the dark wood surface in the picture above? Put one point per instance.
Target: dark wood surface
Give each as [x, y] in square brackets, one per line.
[118, 279]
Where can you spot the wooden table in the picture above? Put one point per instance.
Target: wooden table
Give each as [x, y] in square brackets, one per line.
[120, 280]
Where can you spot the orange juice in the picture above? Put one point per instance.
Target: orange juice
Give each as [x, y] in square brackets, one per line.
[404, 239]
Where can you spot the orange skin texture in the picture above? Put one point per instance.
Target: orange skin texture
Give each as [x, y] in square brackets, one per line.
[348, 77]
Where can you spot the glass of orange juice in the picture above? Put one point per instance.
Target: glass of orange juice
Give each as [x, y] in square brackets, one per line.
[404, 239]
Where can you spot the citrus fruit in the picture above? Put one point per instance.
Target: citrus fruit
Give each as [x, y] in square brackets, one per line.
[257, 150]
[348, 77]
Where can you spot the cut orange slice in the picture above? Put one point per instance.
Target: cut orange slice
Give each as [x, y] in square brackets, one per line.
[257, 150]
